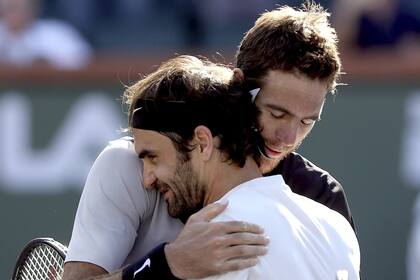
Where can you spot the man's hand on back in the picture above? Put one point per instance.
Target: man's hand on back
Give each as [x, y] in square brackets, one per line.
[203, 248]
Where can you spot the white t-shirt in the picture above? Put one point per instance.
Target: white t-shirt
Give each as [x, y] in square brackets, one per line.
[53, 41]
[308, 241]
[118, 221]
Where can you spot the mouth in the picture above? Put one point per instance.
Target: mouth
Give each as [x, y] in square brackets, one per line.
[272, 153]
[165, 192]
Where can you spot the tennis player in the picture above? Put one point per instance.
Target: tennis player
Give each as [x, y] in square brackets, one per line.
[285, 55]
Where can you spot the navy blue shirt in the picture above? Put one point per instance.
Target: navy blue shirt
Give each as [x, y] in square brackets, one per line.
[307, 179]
[372, 33]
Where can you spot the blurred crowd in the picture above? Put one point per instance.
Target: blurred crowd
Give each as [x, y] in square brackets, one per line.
[26, 39]
[385, 33]
[65, 34]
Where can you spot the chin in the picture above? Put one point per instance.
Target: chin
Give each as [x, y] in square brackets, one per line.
[173, 211]
[183, 214]
[267, 165]
[180, 211]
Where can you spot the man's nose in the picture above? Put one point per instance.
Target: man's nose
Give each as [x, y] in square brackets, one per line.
[149, 177]
[287, 134]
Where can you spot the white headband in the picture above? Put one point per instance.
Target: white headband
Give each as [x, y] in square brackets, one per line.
[254, 93]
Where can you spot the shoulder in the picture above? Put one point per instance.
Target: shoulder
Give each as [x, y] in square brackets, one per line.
[261, 192]
[116, 175]
[307, 179]
[330, 223]
[121, 149]
[298, 171]
[331, 226]
[119, 157]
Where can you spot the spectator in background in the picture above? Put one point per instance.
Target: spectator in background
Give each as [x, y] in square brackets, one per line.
[26, 40]
[384, 28]
[92, 17]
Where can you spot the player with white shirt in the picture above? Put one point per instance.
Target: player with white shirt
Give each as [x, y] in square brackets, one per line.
[309, 240]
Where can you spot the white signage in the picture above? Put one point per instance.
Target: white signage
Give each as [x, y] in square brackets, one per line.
[410, 163]
[92, 121]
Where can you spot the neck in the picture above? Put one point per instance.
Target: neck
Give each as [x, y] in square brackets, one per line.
[227, 176]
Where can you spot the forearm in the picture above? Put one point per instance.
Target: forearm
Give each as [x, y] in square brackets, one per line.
[78, 270]
[117, 275]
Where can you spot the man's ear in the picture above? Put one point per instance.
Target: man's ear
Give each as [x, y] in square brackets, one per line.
[239, 74]
[204, 140]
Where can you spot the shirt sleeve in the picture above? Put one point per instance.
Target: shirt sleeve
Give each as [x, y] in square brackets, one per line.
[307, 179]
[110, 210]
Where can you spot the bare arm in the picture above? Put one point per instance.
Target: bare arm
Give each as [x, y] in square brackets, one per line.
[82, 270]
[117, 275]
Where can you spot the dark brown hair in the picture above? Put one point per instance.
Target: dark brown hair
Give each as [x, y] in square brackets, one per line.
[291, 40]
[210, 97]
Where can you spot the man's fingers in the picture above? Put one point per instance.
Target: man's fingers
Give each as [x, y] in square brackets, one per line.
[240, 257]
[245, 251]
[246, 238]
[209, 212]
[237, 226]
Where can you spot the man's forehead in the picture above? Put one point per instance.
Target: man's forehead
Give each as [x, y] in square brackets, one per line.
[149, 139]
[294, 93]
[277, 76]
[278, 82]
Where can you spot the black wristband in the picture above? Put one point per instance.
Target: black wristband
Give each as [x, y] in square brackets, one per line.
[152, 266]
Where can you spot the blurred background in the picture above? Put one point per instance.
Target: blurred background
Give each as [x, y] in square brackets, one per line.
[64, 65]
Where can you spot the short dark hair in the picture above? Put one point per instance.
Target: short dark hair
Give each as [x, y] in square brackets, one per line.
[291, 40]
[186, 92]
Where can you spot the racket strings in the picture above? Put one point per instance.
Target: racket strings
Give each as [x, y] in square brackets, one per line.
[42, 263]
